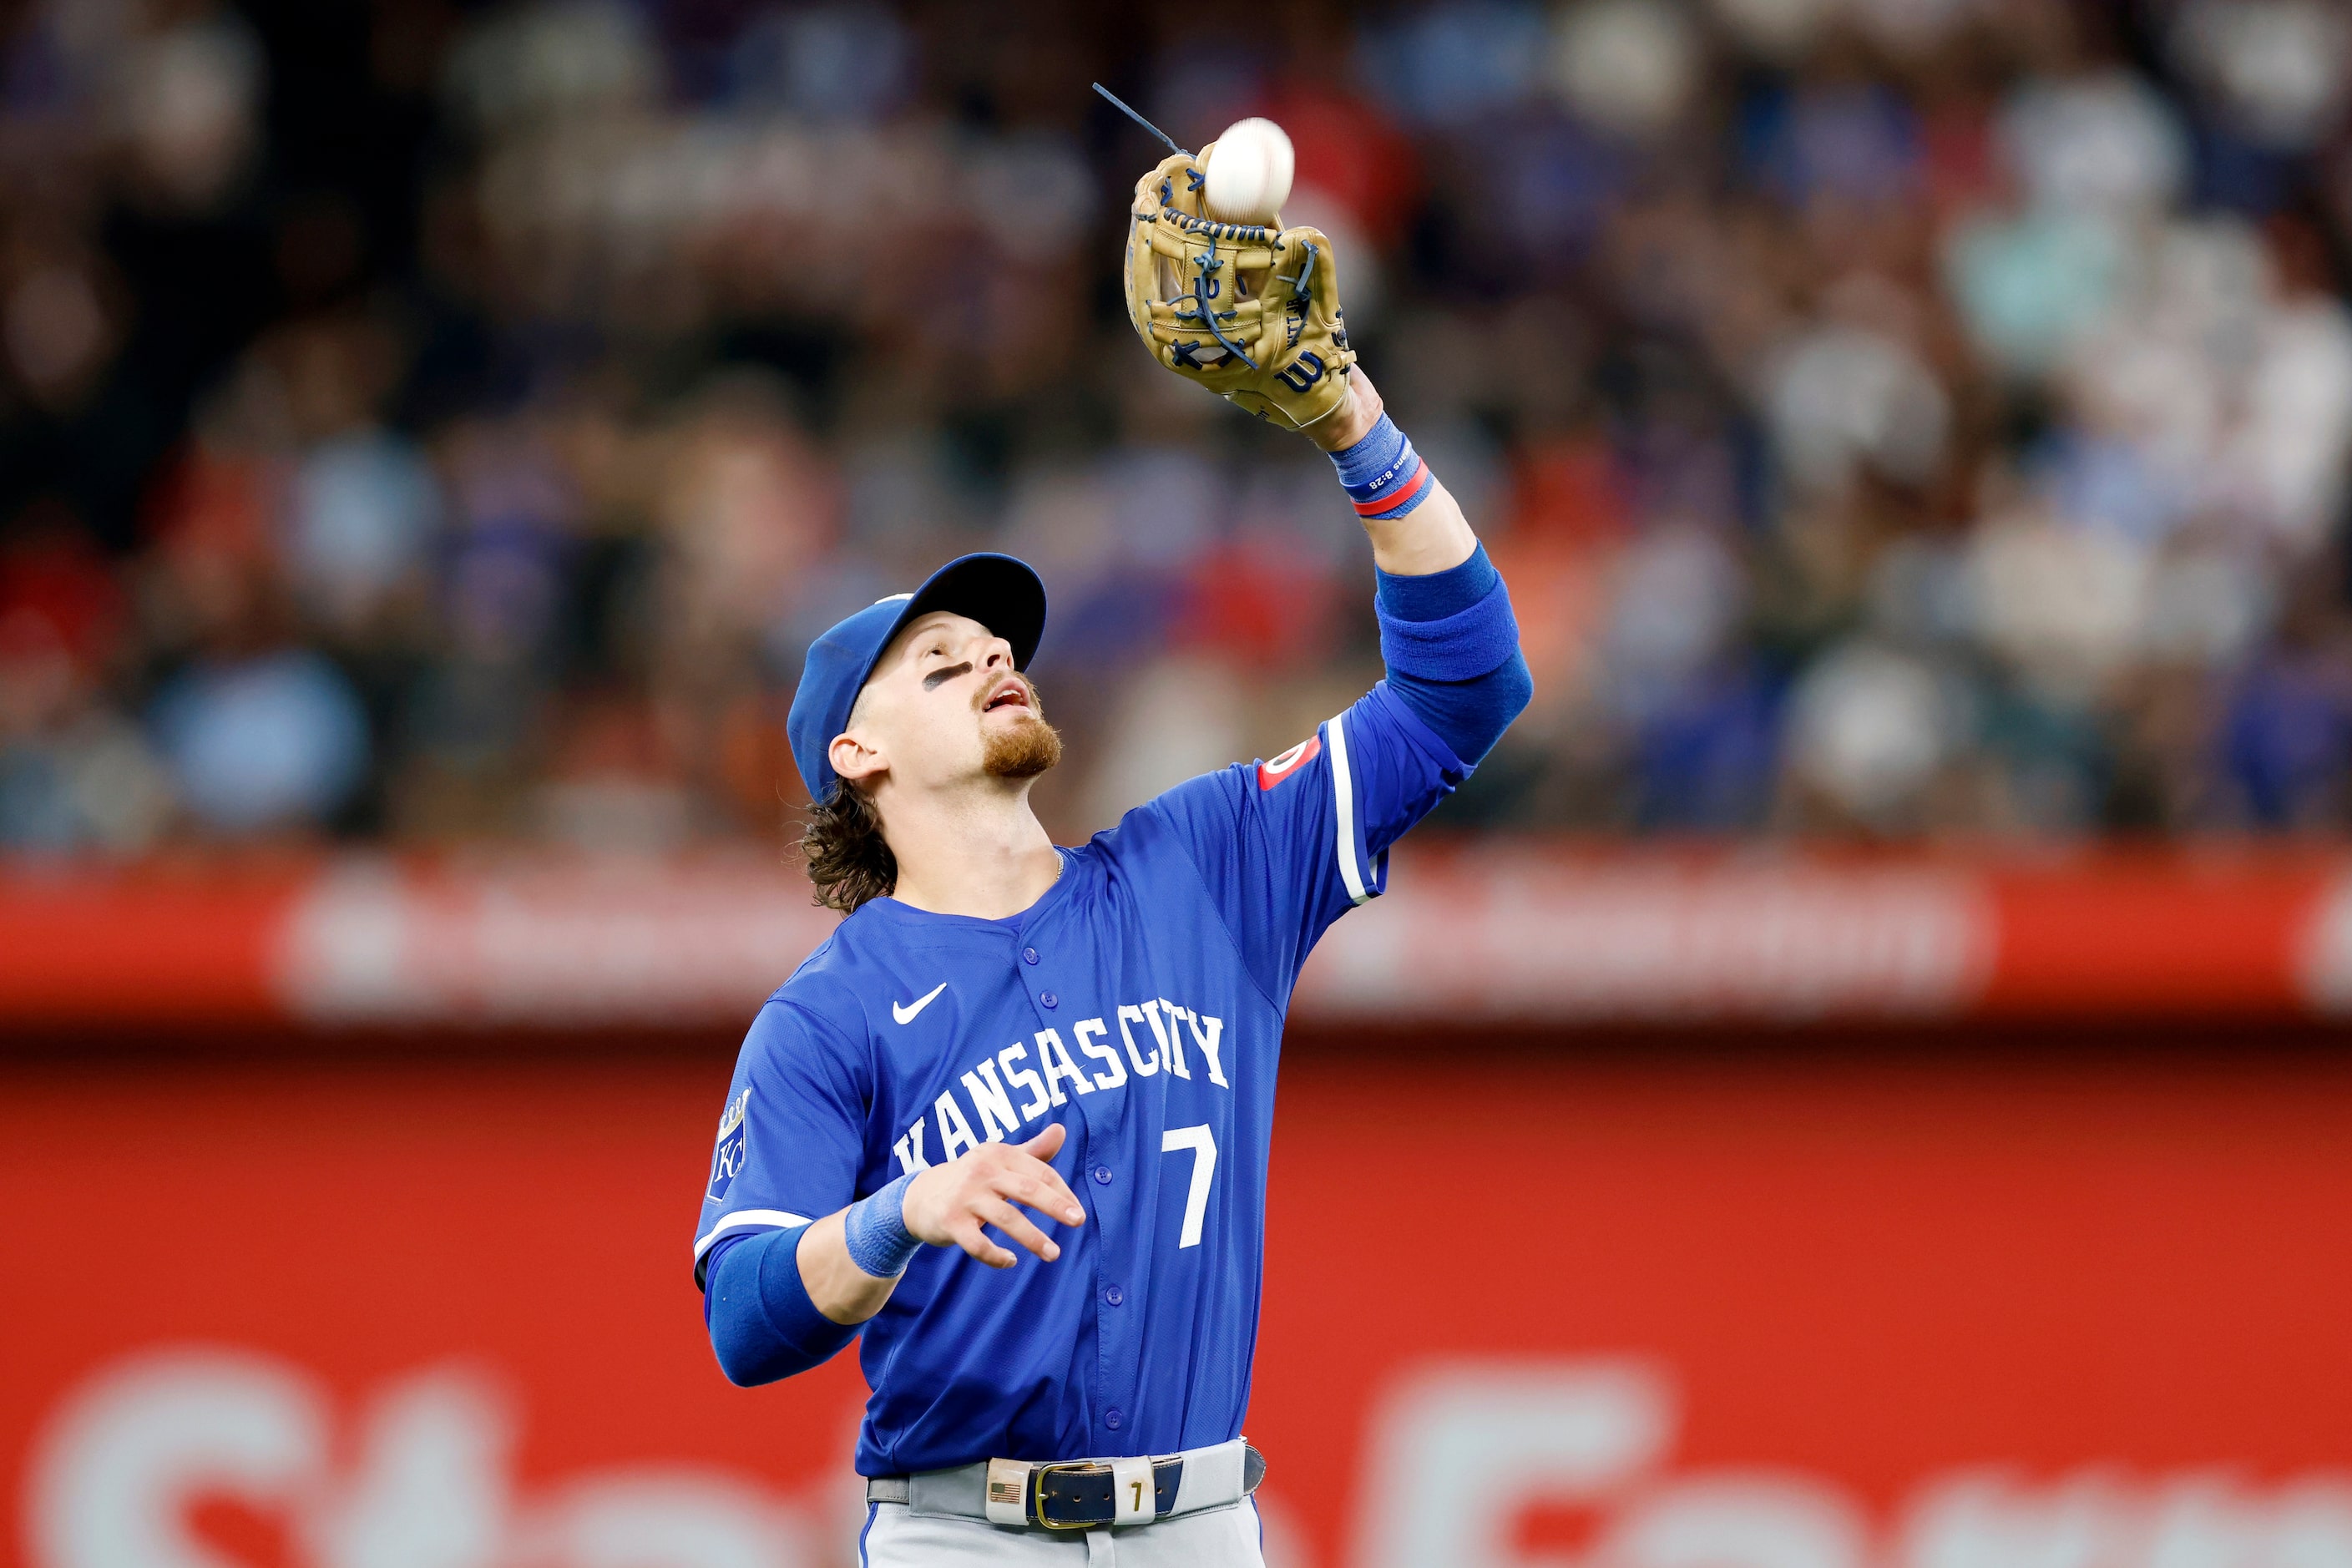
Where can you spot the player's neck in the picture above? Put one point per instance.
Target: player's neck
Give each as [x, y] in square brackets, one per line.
[981, 852]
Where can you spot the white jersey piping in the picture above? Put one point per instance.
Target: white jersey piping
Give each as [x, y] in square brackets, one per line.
[746, 1217]
[1344, 794]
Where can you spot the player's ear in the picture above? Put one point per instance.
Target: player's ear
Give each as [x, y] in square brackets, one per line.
[854, 758]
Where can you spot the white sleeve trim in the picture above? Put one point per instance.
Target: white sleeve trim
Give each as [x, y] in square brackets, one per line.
[743, 1219]
[1343, 790]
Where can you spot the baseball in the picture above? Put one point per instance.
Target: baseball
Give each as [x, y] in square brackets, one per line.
[1249, 172]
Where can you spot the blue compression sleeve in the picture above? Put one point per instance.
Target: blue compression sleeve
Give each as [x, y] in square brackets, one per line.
[1452, 646]
[762, 1324]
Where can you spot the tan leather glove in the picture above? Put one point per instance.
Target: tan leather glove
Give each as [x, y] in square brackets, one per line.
[1251, 313]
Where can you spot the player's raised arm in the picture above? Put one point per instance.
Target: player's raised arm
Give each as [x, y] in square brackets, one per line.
[1447, 634]
[1225, 295]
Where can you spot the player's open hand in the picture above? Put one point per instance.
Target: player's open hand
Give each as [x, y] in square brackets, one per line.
[947, 1205]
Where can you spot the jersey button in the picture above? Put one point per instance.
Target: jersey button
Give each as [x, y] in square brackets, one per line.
[1115, 1296]
[1102, 1176]
[1049, 999]
[1113, 1419]
[1028, 955]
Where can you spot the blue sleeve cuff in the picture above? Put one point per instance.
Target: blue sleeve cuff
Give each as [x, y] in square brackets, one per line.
[763, 1325]
[1452, 645]
[1462, 646]
[1438, 595]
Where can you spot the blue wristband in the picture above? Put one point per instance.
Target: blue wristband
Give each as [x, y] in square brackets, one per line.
[1382, 474]
[875, 1231]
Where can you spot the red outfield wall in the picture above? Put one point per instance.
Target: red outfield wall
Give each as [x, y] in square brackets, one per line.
[1794, 1311]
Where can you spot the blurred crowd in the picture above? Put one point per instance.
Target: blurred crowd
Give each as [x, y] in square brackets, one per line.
[427, 423]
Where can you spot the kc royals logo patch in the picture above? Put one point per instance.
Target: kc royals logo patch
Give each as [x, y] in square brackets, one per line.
[728, 1160]
[1272, 773]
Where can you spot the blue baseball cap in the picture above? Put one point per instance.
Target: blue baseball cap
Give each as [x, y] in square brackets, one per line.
[1001, 594]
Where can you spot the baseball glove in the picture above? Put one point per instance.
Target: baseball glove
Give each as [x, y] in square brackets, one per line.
[1251, 313]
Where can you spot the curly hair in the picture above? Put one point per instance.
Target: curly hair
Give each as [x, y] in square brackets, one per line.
[845, 853]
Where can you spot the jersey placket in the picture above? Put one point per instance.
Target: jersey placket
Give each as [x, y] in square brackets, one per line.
[1048, 957]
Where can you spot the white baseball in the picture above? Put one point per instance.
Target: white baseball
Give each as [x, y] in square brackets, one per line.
[1249, 172]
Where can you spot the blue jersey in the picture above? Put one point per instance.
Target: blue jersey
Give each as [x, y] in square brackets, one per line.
[1140, 1002]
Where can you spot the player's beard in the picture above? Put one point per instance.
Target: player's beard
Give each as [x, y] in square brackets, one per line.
[1024, 748]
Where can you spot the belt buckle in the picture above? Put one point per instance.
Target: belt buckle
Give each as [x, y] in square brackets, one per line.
[1037, 1491]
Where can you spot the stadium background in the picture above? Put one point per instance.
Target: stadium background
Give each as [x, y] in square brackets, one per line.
[1855, 1082]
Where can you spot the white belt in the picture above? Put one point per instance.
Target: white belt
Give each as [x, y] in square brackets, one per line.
[1080, 1494]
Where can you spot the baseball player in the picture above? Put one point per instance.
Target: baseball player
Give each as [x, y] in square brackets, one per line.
[1011, 1121]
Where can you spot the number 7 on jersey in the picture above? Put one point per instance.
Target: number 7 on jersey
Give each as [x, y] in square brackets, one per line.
[1205, 1165]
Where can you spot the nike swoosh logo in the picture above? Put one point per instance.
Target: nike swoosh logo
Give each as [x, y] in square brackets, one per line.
[907, 1015]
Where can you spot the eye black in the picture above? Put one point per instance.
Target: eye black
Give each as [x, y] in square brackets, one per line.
[938, 678]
